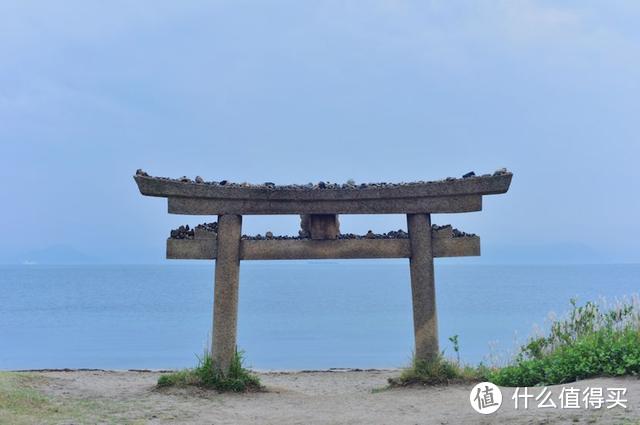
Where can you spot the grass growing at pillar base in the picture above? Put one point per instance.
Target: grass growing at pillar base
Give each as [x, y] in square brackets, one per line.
[206, 375]
[439, 371]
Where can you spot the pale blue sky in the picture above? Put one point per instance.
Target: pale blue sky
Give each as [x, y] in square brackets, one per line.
[303, 91]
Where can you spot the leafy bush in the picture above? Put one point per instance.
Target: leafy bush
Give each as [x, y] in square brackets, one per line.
[589, 342]
[238, 379]
[592, 340]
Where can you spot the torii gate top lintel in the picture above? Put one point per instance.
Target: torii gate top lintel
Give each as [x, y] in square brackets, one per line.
[319, 237]
[197, 197]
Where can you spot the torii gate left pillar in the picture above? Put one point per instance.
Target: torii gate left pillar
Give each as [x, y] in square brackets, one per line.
[225, 293]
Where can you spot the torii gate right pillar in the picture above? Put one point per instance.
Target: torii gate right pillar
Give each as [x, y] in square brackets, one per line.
[423, 291]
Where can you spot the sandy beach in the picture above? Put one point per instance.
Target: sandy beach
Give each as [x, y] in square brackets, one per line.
[324, 397]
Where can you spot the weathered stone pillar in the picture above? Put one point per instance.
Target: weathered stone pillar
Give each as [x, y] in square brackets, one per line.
[425, 319]
[225, 296]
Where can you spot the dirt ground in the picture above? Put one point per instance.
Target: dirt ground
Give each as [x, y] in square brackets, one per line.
[330, 397]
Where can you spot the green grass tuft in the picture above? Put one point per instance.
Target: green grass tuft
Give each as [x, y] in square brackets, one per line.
[440, 371]
[205, 375]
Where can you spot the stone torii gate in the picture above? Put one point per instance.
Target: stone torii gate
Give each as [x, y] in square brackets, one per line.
[320, 237]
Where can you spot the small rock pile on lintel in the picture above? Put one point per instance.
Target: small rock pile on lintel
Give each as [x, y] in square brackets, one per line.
[270, 236]
[182, 232]
[210, 227]
[456, 233]
[185, 232]
[394, 234]
[460, 234]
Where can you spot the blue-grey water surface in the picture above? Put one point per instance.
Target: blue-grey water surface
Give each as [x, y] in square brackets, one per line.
[293, 315]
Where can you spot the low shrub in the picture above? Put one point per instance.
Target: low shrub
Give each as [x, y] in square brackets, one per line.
[206, 375]
[589, 342]
[592, 340]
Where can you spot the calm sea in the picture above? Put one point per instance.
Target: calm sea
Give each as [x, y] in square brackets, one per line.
[297, 315]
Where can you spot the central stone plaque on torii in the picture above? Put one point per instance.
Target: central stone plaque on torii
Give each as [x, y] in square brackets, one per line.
[319, 236]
